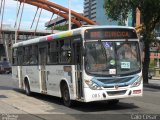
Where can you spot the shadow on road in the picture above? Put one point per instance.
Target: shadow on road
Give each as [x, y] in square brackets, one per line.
[102, 106]
[46, 98]
[83, 107]
[5, 88]
[151, 89]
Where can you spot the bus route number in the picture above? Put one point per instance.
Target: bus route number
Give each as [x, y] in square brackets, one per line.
[125, 65]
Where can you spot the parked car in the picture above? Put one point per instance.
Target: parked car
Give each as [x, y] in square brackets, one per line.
[5, 67]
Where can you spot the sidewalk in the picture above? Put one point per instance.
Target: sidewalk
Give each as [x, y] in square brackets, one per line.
[155, 78]
[153, 83]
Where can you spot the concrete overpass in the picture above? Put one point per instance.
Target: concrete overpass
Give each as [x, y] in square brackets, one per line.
[7, 39]
[7, 35]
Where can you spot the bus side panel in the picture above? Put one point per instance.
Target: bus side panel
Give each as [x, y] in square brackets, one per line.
[20, 78]
[15, 76]
[33, 76]
[56, 73]
[53, 75]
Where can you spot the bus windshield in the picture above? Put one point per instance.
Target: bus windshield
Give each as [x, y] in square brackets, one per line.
[112, 58]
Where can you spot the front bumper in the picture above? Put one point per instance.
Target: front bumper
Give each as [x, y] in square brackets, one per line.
[109, 94]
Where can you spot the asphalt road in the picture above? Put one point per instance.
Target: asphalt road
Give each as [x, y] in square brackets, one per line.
[15, 105]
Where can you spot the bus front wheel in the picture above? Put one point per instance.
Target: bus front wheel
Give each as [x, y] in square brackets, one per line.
[66, 96]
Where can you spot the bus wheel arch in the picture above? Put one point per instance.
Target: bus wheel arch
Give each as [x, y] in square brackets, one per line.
[27, 86]
[65, 93]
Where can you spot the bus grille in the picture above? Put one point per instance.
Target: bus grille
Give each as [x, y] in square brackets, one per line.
[112, 93]
[115, 80]
[114, 86]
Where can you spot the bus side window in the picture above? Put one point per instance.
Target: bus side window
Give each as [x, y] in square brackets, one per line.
[65, 51]
[20, 56]
[34, 55]
[27, 55]
[53, 52]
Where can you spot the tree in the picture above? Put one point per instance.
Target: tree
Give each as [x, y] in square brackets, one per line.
[150, 15]
[59, 27]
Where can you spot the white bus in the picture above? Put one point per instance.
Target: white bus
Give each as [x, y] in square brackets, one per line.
[86, 64]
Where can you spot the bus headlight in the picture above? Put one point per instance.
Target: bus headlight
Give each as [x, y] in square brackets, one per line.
[137, 82]
[92, 85]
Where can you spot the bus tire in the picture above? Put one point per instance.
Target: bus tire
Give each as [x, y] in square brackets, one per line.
[113, 102]
[66, 96]
[27, 88]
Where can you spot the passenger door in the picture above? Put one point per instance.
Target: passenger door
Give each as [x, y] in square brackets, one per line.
[42, 68]
[19, 67]
[77, 53]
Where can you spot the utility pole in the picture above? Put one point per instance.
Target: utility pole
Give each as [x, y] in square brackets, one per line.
[16, 23]
[69, 7]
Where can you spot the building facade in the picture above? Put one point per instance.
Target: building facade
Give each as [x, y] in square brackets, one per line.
[94, 10]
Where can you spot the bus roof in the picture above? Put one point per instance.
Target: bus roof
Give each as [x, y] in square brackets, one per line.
[63, 34]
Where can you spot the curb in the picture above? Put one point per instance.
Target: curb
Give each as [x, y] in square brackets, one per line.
[155, 78]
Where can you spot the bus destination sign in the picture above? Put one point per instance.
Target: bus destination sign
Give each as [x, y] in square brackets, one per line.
[94, 34]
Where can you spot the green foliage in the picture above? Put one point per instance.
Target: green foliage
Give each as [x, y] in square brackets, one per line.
[63, 27]
[150, 10]
[114, 10]
[150, 15]
[152, 64]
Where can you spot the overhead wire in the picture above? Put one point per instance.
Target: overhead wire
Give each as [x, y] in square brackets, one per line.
[17, 14]
[38, 21]
[34, 18]
[21, 16]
